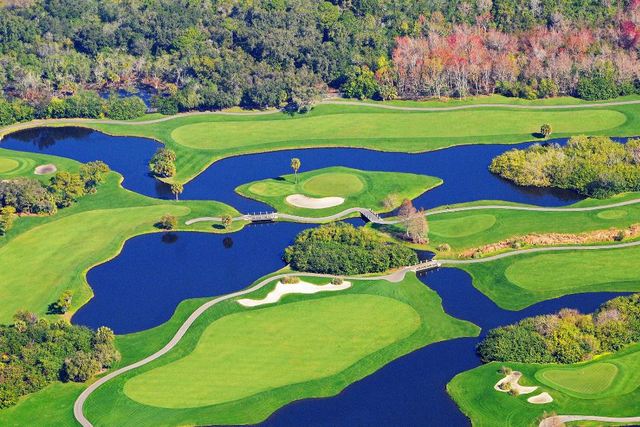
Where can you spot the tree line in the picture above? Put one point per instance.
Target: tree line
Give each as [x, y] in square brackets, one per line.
[212, 54]
[566, 337]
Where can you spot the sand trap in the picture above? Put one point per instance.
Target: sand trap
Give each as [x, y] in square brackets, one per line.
[303, 201]
[540, 399]
[513, 378]
[283, 289]
[45, 169]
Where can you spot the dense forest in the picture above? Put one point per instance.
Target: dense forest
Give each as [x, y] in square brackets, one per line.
[566, 337]
[209, 54]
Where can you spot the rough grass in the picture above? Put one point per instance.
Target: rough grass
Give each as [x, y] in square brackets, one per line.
[364, 189]
[473, 391]
[111, 406]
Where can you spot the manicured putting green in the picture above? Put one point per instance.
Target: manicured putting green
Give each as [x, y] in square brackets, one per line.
[253, 351]
[588, 380]
[271, 188]
[333, 184]
[461, 227]
[8, 165]
[613, 214]
[381, 125]
[567, 270]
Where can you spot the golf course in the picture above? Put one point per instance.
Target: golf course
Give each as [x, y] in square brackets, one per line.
[249, 335]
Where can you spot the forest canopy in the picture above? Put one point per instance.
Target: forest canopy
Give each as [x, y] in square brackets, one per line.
[212, 54]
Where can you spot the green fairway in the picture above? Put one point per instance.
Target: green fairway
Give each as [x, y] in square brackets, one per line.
[364, 189]
[238, 365]
[454, 124]
[463, 226]
[608, 386]
[223, 367]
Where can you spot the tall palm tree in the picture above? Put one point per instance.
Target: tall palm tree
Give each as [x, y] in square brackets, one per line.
[295, 165]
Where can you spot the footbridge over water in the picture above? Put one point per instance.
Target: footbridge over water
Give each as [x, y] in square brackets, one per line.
[424, 266]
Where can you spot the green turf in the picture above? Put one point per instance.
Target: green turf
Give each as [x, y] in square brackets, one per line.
[220, 369]
[333, 184]
[613, 214]
[519, 281]
[364, 189]
[592, 390]
[8, 165]
[331, 340]
[463, 226]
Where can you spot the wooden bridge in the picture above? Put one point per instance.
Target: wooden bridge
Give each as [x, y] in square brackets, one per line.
[425, 266]
[261, 217]
[371, 216]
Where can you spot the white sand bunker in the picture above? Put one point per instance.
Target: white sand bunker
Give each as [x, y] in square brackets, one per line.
[283, 289]
[45, 169]
[512, 381]
[540, 399]
[303, 201]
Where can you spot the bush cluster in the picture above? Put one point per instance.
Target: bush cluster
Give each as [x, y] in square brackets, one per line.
[163, 163]
[594, 166]
[343, 249]
[566, 337]
[36, 352]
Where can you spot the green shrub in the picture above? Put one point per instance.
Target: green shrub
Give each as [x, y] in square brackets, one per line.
[167, 222]
[125, 108]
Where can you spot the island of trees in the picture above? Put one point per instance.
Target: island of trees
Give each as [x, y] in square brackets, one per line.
[594, 166]
[566, 337]
[340, 248]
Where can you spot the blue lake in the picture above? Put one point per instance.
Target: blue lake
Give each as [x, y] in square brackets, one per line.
[141, 287]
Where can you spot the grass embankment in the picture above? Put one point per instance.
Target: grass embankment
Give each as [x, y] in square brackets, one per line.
[607, 386]
[42, 256]
[323, 342]
[364, 189]
[200, 140]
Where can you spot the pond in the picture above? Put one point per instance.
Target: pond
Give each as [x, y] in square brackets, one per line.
[142, 286]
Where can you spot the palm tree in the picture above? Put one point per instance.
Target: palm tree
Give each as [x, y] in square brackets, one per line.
[295, 165]
[177, 189]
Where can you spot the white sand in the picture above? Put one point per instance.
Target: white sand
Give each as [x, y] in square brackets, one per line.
[45, 169]
[283, 289]
[303, 201]
[513, 378]
[540, 399]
